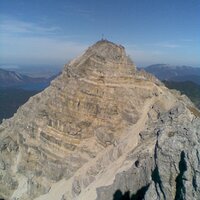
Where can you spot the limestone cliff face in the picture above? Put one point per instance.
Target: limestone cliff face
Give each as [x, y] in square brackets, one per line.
[101, 129]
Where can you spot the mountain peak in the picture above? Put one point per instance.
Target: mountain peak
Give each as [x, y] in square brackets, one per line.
[104, 58]
[106, 44]
[109, 50]
[95, 130]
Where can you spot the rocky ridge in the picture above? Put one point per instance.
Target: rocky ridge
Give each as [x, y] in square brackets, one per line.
[102, 129]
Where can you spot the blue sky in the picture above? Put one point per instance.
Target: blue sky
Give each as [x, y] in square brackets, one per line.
[37, 32]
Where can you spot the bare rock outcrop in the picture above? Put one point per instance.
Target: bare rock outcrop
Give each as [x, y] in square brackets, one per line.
[100, 130]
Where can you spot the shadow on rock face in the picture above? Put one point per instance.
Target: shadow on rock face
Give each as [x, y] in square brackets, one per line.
[180, 187]
[119, 196]
[139, 195]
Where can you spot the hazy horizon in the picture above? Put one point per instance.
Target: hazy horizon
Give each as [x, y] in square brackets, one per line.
[54, 32]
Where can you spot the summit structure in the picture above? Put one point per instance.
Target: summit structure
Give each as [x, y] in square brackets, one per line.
[102, 129]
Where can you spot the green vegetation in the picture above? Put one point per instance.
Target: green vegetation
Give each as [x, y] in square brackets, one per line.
[192, 90]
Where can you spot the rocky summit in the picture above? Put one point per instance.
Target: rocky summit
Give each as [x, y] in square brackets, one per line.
[102, 131]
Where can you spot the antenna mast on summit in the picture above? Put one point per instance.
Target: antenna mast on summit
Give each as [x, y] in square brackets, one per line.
[102, 37]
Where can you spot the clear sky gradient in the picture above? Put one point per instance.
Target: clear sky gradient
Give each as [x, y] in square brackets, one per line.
[34, 32]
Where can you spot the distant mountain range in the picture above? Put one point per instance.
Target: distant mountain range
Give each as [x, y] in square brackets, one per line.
[11, 99]
[186, 79]
[34, 70]
[86, 138]
[16, 89]
[189, 88]
[175, 73]
[11, 79]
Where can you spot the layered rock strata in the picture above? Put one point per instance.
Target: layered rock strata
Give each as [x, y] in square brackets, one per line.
[100, 130]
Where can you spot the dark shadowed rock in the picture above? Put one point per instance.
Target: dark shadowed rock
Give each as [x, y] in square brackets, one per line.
[100, 130]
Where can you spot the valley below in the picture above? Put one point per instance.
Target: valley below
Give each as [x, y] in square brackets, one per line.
[101, 130]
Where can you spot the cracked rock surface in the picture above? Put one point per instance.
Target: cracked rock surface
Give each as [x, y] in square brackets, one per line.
[102, 130]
